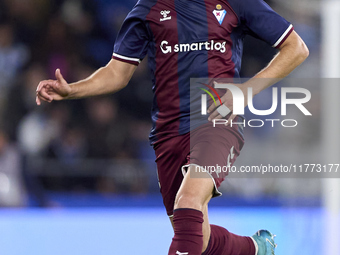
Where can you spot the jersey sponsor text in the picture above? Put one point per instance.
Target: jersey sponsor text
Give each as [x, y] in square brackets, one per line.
[186, 47]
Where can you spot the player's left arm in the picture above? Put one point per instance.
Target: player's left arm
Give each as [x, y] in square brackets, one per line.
[292, 52]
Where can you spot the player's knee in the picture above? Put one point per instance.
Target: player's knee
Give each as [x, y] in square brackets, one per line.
[188, 200]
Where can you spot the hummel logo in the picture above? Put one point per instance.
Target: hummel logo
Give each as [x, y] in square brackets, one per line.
[182, 253]
[165, 14]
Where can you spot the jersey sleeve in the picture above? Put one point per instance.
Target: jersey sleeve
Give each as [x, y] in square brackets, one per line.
[132, 40]
[261, 21]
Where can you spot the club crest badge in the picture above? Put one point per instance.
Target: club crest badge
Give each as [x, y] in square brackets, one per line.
[219, 13]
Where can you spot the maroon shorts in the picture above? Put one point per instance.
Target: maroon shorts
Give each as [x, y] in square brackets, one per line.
[206, 147]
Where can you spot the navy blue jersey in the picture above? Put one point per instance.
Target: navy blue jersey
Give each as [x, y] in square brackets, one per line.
[191, 39]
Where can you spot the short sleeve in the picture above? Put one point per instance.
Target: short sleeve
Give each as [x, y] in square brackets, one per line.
[132, 40]
[263, 22]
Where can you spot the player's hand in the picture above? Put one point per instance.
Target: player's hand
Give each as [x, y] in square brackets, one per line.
[227, 100]
[50, 90]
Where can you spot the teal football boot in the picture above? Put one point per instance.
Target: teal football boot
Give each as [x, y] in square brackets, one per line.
[264, 242]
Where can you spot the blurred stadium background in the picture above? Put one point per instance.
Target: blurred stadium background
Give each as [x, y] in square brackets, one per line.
[79, 177]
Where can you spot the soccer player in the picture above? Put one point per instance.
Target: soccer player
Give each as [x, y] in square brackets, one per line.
[191, 39]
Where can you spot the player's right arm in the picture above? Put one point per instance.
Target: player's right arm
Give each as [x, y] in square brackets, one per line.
[106, 80]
